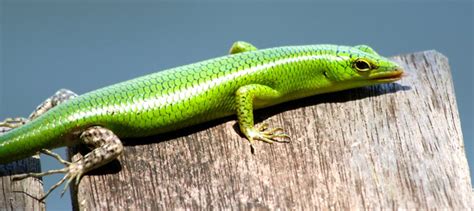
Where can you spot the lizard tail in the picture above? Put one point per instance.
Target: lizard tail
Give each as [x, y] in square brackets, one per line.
[28, 139]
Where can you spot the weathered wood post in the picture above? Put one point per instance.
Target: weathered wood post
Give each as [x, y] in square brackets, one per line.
[22, 194]
[388, 146]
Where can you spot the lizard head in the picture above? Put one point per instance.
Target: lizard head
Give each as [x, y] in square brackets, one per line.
[362, 66]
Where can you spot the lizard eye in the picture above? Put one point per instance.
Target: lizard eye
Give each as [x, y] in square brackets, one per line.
[362, 65]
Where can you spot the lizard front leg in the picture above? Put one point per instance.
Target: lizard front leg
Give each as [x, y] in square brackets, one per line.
[106, 147]
[59, 97]
[245, 99]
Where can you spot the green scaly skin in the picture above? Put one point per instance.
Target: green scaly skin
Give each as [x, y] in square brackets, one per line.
[179, 97]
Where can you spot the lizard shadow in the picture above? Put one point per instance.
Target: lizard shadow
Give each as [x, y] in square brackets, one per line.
[259, 115]
[334, 97]
[262, 114]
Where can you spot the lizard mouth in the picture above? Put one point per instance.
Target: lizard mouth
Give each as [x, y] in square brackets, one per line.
[391, 76]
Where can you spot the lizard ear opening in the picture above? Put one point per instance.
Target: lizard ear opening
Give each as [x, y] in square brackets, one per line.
[367, 49]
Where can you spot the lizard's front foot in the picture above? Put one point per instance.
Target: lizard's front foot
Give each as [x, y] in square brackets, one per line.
[268, 135]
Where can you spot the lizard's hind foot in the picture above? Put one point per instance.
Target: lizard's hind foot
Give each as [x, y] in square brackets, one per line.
[71, 171]
[106, 147]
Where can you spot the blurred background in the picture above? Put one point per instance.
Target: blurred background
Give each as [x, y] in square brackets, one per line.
[84, 45]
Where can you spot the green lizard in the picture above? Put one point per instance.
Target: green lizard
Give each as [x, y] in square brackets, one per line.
[247, 79]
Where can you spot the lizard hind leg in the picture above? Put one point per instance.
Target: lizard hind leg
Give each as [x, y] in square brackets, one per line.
[106, 147]
[59, 97]
[10, 123]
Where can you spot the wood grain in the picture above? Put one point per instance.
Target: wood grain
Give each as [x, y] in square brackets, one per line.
[22, 194]
[397, 145]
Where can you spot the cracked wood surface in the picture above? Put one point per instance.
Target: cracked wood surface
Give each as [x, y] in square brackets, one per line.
[22, 194]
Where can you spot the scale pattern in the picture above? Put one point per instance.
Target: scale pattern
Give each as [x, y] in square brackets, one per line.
[186, 95]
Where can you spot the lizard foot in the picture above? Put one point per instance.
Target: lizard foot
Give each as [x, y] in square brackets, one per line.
[107, 147]
[268, 135]
[13, 122]
[73, 170]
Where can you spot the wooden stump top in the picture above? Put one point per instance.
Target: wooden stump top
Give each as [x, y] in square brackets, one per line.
[396, 145]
